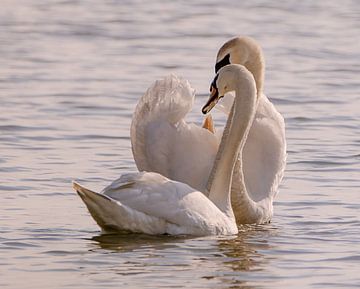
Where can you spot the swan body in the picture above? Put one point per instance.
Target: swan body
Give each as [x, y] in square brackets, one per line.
[163, 142]
[150, 203]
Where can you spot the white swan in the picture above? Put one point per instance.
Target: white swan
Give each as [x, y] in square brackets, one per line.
[163, 142]
[264, 156]
[151, 203]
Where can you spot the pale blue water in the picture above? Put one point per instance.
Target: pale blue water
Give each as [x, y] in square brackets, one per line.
[71, 73]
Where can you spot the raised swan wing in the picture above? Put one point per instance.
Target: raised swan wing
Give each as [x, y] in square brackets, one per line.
[163, 142]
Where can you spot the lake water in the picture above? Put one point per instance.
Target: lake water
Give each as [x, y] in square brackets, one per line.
[71, 73]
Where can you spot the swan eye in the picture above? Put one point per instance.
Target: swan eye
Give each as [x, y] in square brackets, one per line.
[223, 62]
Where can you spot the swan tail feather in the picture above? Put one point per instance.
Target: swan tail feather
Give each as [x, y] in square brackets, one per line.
[95, 202]
[111, 215]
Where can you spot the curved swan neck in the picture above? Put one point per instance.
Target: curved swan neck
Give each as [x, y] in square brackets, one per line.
[256, 65]
[257, 68]
[232, 143]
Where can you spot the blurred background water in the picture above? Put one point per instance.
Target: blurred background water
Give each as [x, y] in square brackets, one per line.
[71, 73]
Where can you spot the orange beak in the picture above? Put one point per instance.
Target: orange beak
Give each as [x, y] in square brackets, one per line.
[209, 123]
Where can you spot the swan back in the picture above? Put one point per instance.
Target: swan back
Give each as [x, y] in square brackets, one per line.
[151, 203]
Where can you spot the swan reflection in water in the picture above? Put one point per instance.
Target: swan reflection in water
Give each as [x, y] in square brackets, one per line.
[247, 252]
[232, 261]
[127, 242]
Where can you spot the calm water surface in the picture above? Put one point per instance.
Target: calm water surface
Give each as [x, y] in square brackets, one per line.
[71, 73]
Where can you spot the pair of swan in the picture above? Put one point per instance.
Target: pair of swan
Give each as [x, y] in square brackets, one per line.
[195, 182]
[163, 142]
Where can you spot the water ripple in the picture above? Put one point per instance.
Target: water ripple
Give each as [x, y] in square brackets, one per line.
[72, 73]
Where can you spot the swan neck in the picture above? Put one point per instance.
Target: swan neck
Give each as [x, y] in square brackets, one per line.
[256, 65]
[259, 80]
[232, 143]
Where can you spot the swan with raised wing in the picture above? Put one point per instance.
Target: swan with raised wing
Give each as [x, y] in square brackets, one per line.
[150, 203]
[164, 142]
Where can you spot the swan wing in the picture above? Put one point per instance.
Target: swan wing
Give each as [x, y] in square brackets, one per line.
[265, 152]
[264, 156]
[163, 142]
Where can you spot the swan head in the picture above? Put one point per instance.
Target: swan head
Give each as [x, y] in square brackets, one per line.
[227, 79]
[245, 51]
[239, 50]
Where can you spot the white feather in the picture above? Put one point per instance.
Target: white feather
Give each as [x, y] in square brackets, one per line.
[163, 142]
